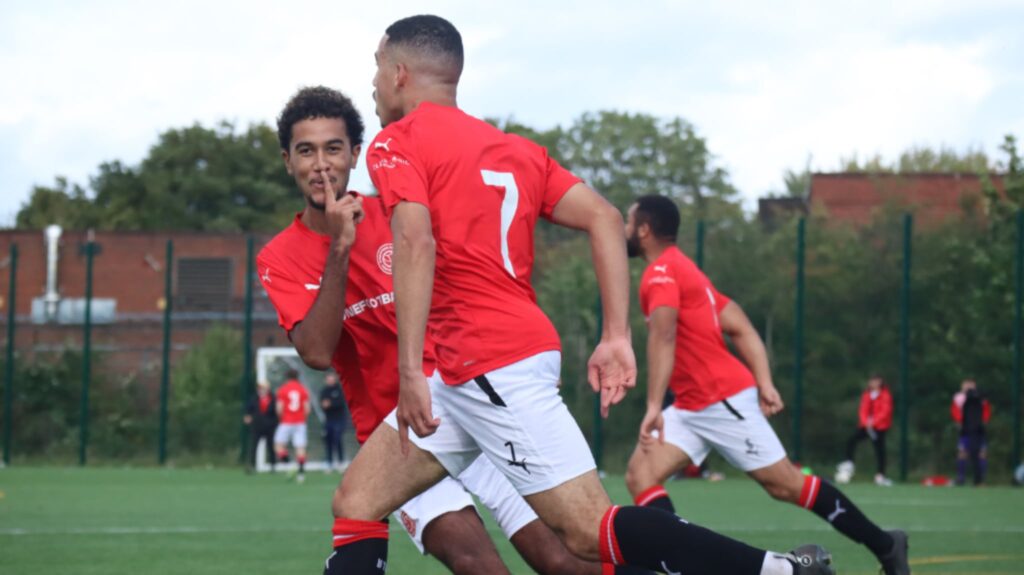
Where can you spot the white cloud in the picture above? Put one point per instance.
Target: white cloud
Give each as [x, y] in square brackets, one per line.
[766, 83]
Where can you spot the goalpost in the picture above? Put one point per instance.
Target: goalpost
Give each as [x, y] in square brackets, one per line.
[272, 363]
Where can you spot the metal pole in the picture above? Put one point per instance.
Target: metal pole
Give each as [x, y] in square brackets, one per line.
[700, 244]
[908, 229]
[597, 447]
[798, 344]
[86, 355]
[165, 375]
[247, 383]
[1019, 296]
[9, 363]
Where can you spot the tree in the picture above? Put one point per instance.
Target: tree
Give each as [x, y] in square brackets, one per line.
[921, 159]
[194, 178]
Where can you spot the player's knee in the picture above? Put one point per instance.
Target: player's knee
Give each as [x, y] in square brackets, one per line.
[348, 505]
[638, 477]
[582, 543]
[464, 561]
[561, 563]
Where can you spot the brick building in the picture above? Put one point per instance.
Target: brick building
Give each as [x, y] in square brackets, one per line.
[208, 286]
[856, 198]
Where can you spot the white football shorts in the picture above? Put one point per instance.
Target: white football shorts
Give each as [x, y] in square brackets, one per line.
[516, 418]
[293, 433]
[735, 428]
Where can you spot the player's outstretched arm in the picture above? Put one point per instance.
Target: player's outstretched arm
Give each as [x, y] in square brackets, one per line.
[612, 368]
[413, 268]
[316, 336]
[737, 326]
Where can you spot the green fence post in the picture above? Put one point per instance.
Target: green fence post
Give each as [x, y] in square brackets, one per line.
[1019, 296]
[83, 433]
[798, 343]
[908, 230]
[247, 383]
[9, 363]
[597, 446]
[700, 244]
[165, 372]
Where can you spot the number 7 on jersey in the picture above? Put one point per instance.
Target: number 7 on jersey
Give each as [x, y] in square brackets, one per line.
[509, 204]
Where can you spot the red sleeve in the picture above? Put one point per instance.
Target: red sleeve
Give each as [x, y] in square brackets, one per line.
[986, 411]
[865, 409]
[660, 290]
[396, 171]
[954, 410]
[883, 413]
[291, 300]
[557, 183]
[721, 300]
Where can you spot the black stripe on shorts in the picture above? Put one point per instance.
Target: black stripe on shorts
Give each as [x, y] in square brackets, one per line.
[732, 409]
[485, 385]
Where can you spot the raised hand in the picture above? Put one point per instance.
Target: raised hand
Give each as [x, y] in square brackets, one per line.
[342, 214]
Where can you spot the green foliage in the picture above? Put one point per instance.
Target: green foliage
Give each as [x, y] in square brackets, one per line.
[47, 409]
[205, 405]
[921, 159]
[194, 178]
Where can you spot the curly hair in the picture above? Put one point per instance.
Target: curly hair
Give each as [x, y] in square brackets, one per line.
[319, 102]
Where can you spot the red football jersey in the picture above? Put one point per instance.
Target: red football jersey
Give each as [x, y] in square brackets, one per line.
[485, 190]
[705, 371]
[290, 267]
[294, 397]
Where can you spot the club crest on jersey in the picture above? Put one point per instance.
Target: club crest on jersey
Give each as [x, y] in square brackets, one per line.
[384, 257]
[409, 523]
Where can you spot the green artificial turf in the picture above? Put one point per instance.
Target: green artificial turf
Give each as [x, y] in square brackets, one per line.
[195, 522]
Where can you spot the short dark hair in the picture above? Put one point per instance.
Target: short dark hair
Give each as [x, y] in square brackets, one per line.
[319, 102]
[661, 214]
[292, 373]
[428, 35]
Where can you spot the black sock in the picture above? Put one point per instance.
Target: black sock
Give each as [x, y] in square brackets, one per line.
[658, 540]
[830, 504]
[366, 557]
[364, 551]
[655, 497]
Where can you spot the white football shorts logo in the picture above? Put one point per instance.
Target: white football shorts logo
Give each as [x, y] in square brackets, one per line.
[384, 257]
[382, 145]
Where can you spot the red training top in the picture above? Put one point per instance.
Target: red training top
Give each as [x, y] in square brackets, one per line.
[485, 190]
[704, 372]
[876, 409]
[290, 267]
[294, 397]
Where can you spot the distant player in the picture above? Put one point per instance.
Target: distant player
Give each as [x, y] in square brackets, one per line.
[971, 413]
[292, 411]
[874, 418]
[463, 195]
[720, 403]
[333, 294]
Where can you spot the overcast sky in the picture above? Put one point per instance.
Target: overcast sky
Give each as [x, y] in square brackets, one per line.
[768, 84]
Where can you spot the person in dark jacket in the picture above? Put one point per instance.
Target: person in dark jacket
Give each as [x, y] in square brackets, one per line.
[874, 421]
[332, 400]
[261, 417]
[971, 411]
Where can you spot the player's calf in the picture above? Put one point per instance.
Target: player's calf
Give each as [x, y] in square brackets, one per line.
[657, 540]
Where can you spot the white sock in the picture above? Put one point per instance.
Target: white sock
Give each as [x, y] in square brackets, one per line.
[776, 564]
